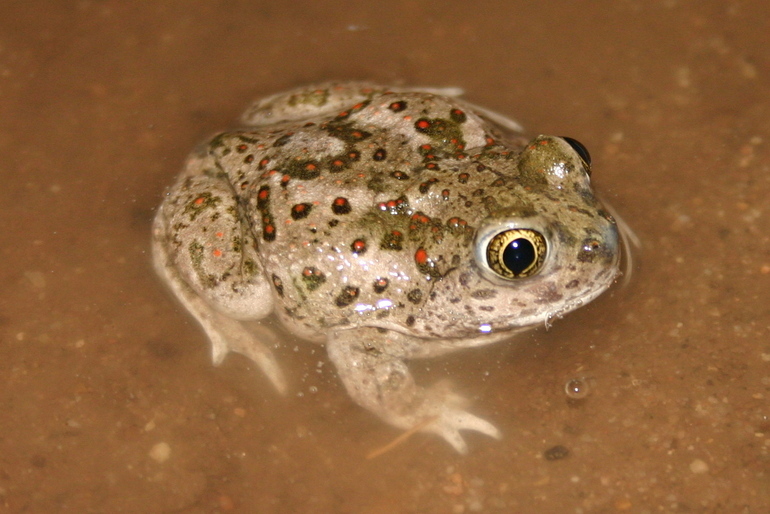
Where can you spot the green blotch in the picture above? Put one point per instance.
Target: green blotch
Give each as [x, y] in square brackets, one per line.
[196, 251]
[430, 270]
[414, 296]
[250, 268]
[302, 170]
[392, 241]
[314, 279]
[201, 203]
[346, 132]
[443, 132]
[378, 183]
[316, 98]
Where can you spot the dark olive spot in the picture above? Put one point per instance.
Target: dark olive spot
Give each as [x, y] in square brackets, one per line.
[341, 206]
[380, 285]
[278, 284]
[392, 241]
[313, 278]
[300, 211]
[457, 115]
[414, 296]
[281, 141]
[557, 452]
[347, 296]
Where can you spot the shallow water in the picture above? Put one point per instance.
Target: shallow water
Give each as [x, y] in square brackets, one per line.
[110, 403]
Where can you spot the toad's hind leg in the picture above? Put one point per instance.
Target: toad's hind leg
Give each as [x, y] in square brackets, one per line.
[205, 253]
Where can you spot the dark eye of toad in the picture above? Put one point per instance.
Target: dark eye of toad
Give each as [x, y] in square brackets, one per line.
[517, 253]
[581, 150]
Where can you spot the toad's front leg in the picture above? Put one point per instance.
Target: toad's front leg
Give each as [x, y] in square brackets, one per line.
[370, 364]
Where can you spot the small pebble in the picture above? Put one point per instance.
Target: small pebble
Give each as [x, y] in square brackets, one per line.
[698, 466]
[36, 278]
[160, 452]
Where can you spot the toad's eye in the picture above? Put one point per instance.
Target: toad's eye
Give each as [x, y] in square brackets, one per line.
[581, 150]
[517, 253]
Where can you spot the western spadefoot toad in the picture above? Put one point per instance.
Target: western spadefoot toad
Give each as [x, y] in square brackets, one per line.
[388, 224]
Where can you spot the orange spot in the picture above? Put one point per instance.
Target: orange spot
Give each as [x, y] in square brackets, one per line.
[421, 256]
[217, 252]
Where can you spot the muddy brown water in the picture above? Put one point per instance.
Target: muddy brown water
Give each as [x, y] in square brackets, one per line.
[108, 401]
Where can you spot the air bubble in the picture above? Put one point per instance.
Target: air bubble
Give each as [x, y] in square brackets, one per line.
[577, 388]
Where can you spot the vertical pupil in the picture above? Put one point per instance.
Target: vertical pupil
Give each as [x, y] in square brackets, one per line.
[519, 255]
